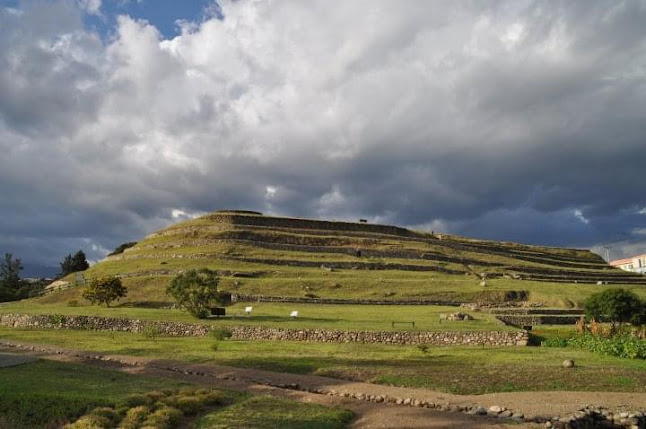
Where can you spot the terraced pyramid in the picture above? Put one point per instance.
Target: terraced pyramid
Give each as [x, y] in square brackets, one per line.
[268, 256]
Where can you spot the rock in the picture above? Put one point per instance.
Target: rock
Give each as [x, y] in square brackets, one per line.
[568, 363]
[481, 411]
[495, 409]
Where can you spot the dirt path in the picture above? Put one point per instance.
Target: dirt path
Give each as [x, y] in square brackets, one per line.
[375, 405]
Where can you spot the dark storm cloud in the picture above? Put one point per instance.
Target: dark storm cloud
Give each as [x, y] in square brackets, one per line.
[515, 120]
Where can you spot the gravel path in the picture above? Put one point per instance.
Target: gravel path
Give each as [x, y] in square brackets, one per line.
[374, 405]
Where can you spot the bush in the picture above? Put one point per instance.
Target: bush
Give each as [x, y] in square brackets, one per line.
[164, 417]
[73, 303]
[624, 345]
[617, 306]
[105, 290]
[134, 417]
[150, 333]
[196, 291]
[221, 334]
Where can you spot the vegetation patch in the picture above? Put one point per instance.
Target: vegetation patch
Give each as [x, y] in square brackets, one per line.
[265, 412]
[163, 409]
[461, 369]
[47, 393]
[623, 345]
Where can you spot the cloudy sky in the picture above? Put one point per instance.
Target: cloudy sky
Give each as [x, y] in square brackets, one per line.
[511, 120]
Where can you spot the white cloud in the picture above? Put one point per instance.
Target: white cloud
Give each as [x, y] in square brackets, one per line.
[579, 215]
[419, 113]
[179, 214]
[92, 7]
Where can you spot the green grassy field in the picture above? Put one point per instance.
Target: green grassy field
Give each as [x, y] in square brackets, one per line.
[48, 394]
[268, 413]
[342, 317]
[451, 369]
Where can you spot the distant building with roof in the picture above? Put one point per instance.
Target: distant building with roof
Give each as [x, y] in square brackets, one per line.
[635, 264]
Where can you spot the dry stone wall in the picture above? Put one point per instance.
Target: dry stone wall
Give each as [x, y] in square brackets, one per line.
[257, 333]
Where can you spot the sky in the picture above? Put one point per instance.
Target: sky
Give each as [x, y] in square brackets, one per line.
[511, 120]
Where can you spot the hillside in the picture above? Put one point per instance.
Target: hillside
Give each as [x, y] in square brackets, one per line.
[267, 256]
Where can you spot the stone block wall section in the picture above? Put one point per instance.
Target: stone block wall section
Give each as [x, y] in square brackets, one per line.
[259, 333]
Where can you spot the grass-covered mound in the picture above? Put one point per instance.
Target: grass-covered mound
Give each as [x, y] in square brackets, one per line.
[273, 256]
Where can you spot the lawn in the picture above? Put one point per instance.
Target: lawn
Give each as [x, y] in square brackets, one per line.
[451, 369]
[320, 316]
[49, 394]
[265, 412]
[43, 392]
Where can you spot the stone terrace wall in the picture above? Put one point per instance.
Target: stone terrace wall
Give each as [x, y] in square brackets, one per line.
[294, 223]
[491, 338]
[526, 320]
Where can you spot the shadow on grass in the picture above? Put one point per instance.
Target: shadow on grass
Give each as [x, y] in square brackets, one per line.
[145, 304]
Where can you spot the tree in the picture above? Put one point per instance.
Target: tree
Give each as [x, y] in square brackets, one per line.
[196, 291]
[67, 265]
[79, 261]
[105, 290]
[10, 282]
[122, 247]
[616, 305]
[72, 264]
[10, 271]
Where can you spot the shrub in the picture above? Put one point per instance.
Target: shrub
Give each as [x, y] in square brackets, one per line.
[616, 305]
[136, 400]
[196, 291]
[90, 422]
[134, 417]
[122, 247]
[150, 332]
[105, 290]
[623, 345]
[221, 334]
[73, 303]
[164, 417]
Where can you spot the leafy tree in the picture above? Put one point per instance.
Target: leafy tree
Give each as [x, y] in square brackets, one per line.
[105, 290]
[10, 282]
[72, 264]
[616, 305]
[120, 248]
[10, 271]
[79, 261]
[196, 291]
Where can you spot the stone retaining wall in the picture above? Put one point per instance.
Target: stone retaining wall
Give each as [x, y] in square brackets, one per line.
[526, 320]
[355, 301]
[253, 333]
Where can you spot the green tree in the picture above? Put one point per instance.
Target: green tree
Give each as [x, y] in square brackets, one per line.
[79, 261]
[616, 305]
[105, 290]
[72, 264]
[196, 291]
[10, 282]
[122, 247]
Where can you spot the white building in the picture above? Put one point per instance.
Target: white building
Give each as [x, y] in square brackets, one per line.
[635, 264]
